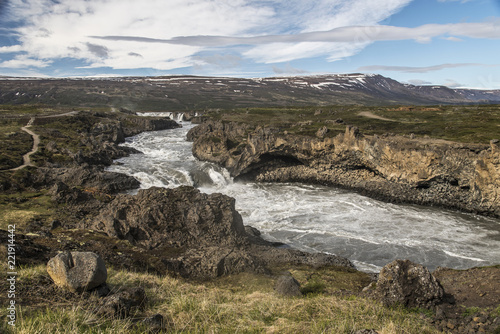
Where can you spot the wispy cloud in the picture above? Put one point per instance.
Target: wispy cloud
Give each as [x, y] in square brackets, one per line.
[24, 61]
[10, 49]
[174, 32]
[165, 35]
[337, 43]
[350, 34]
[414, 69]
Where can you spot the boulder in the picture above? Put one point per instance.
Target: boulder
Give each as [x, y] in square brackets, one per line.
[77, 271]
[409, 284]
[212, 262]
[181, 217]
[288, 286]
[119, 305]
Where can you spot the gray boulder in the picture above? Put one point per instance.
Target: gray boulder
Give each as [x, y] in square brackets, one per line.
[288, 286]
[77, 271]
[120, 305]
[409, 284]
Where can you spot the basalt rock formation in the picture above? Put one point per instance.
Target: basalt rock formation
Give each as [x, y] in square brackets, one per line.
[195, 234]
[392, 168]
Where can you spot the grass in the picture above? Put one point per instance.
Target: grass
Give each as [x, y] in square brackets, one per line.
[15, 143]
[468, 124]
[23, 207]
[469, 311]
[30, 109]
[218, 307]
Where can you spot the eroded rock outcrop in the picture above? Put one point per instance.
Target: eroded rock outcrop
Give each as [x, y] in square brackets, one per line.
[392, 168]
[182, 217]
[86, 177]
[196, 235]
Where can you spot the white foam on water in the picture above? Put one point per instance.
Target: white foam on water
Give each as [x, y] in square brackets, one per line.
[315, 218]
[463, 257]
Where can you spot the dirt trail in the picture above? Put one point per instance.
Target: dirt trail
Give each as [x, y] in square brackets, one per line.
[36, 142]
[36, 138]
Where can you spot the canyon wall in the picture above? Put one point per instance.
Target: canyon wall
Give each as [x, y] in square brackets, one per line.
[392, 168]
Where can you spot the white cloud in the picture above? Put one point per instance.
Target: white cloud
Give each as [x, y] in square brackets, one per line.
[59, 29]
[24, 61]
[453, 39]
[164, 35]
[9, 49]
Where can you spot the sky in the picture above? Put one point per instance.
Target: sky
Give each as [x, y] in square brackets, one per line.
[455, 43]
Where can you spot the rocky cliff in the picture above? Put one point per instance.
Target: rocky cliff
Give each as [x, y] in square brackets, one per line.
[196, 235]
[393, 168]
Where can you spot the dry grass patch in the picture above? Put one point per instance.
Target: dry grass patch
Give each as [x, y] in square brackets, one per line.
[191, 307]
[21, 208]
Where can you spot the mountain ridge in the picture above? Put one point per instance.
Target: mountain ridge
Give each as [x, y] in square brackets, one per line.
[183, 92]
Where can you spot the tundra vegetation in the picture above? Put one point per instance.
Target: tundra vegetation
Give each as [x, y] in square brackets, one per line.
[465, 124]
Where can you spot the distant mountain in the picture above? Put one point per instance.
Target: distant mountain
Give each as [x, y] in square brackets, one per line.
[192, 92]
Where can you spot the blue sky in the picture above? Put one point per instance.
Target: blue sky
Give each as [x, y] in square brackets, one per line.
[445, 42]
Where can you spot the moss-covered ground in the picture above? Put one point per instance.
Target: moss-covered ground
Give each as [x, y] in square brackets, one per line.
[467, 124]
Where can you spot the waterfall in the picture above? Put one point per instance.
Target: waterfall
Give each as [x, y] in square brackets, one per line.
[176, 116]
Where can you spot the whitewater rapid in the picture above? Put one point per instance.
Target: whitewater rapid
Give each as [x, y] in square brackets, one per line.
[313, 218]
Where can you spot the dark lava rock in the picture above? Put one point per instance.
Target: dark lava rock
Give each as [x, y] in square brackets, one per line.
[286, 285]
[86, 177]
[172, 217]
[61, 193]
[120, 304]
[409, 284]
[196, 235]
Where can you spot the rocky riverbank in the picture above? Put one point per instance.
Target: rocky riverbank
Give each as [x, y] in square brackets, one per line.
[392, 168]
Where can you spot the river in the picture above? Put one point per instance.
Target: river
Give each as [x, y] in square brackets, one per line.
[313, 218]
